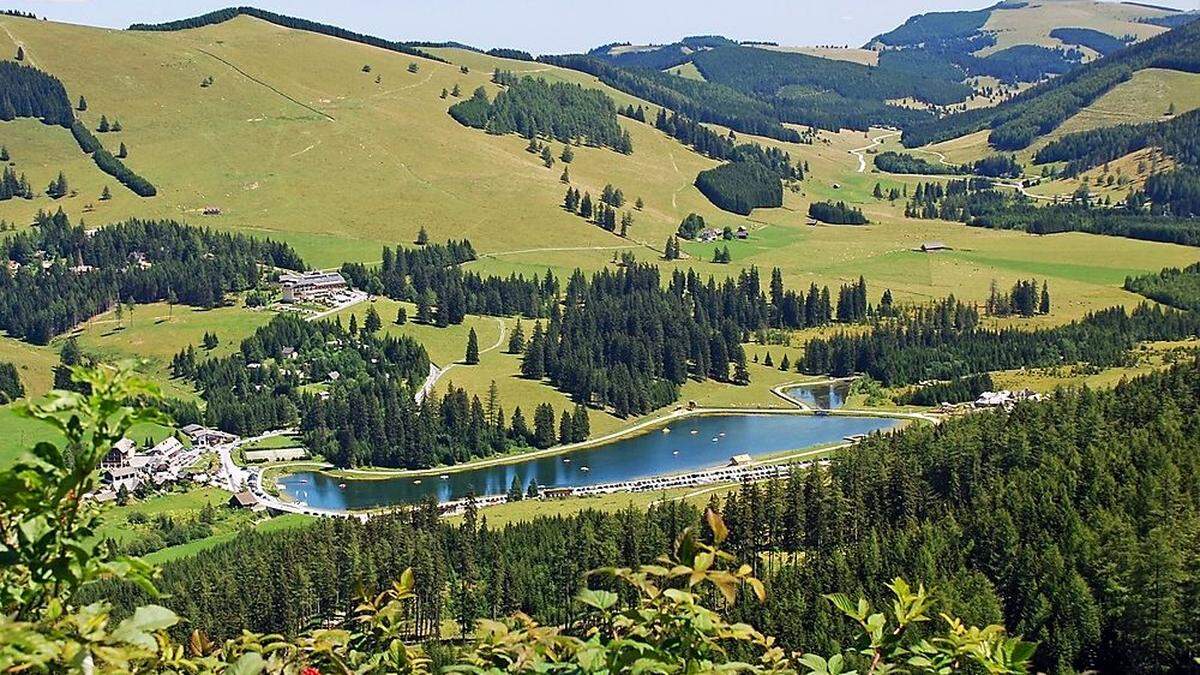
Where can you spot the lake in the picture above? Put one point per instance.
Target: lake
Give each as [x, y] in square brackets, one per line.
[824, 396]
[690, 444]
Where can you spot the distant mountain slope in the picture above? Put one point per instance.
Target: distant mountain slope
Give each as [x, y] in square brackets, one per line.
[1017, 122]
[1018, 41]
[222, 15]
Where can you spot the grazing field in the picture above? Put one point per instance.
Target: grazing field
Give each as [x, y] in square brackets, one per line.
[688, 70]
[866, 57]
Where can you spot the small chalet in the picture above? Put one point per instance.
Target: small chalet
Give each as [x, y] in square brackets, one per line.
[246, 500]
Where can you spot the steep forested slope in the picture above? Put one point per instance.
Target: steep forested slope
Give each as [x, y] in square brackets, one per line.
[1017, 122]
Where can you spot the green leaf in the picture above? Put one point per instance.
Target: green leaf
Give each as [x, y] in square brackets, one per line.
[251, 663]
[717, 525]
[599, 599]
[137, 629]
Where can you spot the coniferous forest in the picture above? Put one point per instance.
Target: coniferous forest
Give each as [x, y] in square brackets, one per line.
[1073, 521]
[67, 275]
[532, 107]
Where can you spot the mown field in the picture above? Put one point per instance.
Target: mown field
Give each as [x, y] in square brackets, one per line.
[1032, 23]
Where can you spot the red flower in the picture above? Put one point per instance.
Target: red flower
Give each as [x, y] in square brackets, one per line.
[309, 670]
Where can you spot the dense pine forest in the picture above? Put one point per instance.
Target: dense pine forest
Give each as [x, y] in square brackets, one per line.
[531, 107]
[1071, 520]
[1179, 138]
[66, 274]
[26, 91]
[698, 100]
[902, 162]
[741, 187]
[1172, 196]
[945, 341]
[1176, 287]
[1016, 122]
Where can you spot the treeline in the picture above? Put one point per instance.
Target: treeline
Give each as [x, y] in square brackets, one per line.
[699, 100]
[765, 72]
[533, 107]
[223, 15]
[1072, 520]
[135, 261]
[28, 92]
[1178, 137]
[430, 277]
[975, 202]
[371, 422]
[957, 390]
[717, 146]
[998, 166]
[1097, 41]
[902, 162]
[945, 341]
[1172, 286]
[837, 213]
[1016, 122]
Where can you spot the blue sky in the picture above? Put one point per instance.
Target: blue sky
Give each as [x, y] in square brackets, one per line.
[551, 26]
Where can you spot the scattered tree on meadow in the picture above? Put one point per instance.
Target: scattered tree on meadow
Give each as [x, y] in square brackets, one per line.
[372, 323]
[472, 356]
[82, 106]
[105, 194]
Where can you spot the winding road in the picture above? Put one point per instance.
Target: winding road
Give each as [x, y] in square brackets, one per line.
[435, 373]
[875, 142]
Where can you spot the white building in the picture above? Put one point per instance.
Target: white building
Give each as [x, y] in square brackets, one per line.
[299, 286]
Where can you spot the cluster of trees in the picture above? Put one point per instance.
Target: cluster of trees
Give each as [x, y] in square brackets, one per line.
[1172, 286]
[1097, 41]
[998, 166]
[430, 277]
[603, 212]
[11, 388]
[697, 99]
[1072, 521]
[560, 110]
[26, 91]
[741, 187]
[1024, 299]
[903, 162]
[956, 390]
[1178, 137]
[837, 213]
[131, 262]
[229, 13]
[12, 186]
[976, 203]
[257, 388]
[1015, 123]
[708, 142]
[945, 340]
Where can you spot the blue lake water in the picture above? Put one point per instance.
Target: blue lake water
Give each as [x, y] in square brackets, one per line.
[824, 396]
[716, 438]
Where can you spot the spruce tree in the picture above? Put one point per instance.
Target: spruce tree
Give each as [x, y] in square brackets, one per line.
[566, 175]
[105, 194]
[566, 428]
[547, 157]
[568, 155]
[116, 125]
[456, 91]
[515, 493]
[1044, 305]
[401, 316]
[472, 357]
[422, 237]
[639, 204]
[516, 341]
[20, 53]
[103, 126]
[4, 154]
[372, 323]
[532, 491]
[123, 152]
[445, 93]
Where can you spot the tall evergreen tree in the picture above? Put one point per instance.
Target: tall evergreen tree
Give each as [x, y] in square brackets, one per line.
[472, 356]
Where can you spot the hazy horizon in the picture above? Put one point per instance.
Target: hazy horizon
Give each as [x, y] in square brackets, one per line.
[546, 26]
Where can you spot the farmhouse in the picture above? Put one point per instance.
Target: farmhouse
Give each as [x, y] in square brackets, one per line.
[203, 436]
[120, 455]
[298, 286]
[933, 247]
[246, 500]
[739, 460]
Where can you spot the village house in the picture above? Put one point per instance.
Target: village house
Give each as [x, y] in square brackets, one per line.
[246, 500]
[120, 455]
[204, 437]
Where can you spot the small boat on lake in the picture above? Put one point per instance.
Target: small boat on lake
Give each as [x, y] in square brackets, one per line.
[584, 468]
[444, 477]
[417, 481]
[666, 430]
[695, 431]
[341, 486]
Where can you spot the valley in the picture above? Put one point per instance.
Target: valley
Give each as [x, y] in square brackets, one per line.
[476, 320]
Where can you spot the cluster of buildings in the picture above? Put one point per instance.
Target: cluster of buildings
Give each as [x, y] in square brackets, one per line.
[713, 234]
[125, 467]
[317, 286]
[1005, 398]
